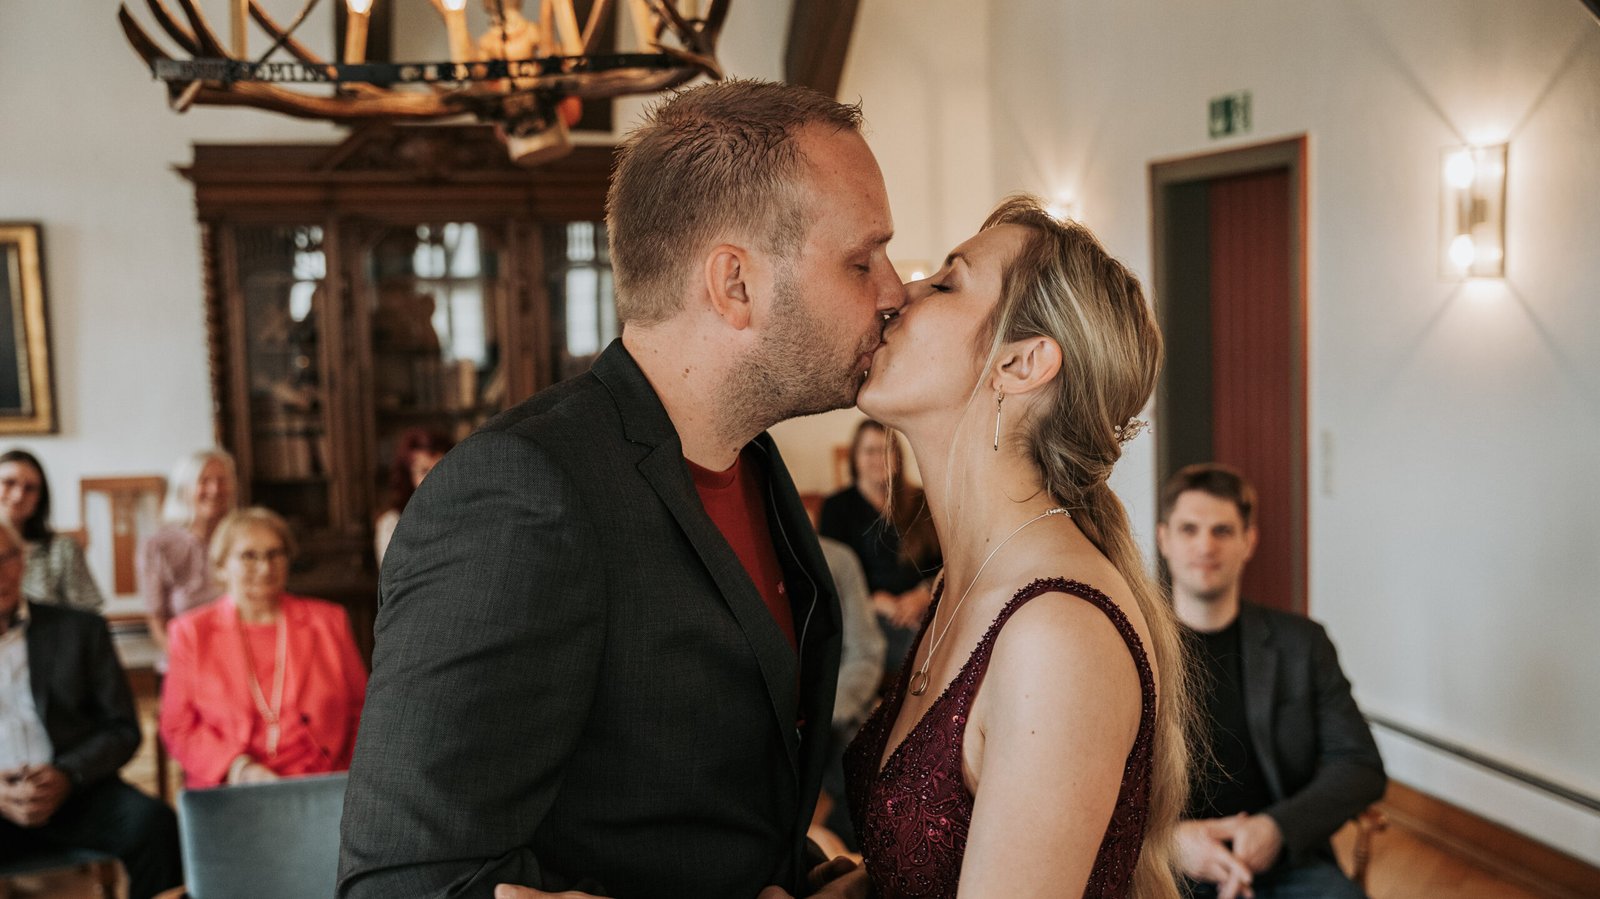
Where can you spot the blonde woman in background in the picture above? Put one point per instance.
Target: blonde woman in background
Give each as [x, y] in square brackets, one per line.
[174, 574]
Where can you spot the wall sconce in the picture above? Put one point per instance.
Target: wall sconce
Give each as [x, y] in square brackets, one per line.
[913, 269]
[1065, 208]
[1473, 213]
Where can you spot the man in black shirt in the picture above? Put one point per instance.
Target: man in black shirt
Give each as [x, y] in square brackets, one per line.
[1291, 758]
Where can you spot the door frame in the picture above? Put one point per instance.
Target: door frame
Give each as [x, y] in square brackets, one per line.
[1288, 153]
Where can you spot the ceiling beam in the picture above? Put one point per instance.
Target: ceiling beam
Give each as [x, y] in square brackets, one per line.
[819, 40]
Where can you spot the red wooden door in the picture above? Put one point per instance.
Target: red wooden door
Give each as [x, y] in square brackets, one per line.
[1257, 400]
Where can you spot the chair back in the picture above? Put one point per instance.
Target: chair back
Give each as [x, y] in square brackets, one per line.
[262, 841]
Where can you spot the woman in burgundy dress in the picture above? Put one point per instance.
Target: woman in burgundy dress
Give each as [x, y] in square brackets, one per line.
[1032, 744]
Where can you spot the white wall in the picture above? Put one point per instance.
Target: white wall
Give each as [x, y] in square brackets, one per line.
[1455, 541]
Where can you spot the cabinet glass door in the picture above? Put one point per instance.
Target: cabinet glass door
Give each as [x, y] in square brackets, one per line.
[281, 273]
[435, 307]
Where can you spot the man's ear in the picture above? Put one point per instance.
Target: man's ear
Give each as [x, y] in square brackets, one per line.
[1026, 365]
[726, 270]
[1161, 538]
[1252, 536]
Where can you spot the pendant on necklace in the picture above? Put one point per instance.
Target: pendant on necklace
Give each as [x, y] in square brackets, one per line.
[272, 739]
[919, 683]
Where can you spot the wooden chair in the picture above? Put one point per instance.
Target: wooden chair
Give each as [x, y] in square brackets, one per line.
[71, 872]
[1368, 825]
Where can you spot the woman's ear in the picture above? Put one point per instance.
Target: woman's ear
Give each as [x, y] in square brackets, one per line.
[1026, 365]
[727, 266]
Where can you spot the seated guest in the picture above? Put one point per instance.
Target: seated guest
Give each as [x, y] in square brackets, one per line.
[1291, 757]
[860, 671]
[174, 573]
[56, 572]
[67, 724]
[882, 519]
[415, 454]
[260, 684]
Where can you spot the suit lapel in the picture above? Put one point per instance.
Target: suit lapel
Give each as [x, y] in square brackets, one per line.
[645, 421]
[39, 660]
[1259, 668]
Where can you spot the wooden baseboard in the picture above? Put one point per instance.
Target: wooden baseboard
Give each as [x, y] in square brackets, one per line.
[1506, 853]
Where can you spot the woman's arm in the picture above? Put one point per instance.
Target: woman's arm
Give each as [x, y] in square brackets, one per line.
[1047, 742]
[155, 589]
[76, 585]
[201, 746]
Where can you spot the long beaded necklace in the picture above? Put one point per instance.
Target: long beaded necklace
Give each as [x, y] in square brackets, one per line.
[919, 680]
[269, 713]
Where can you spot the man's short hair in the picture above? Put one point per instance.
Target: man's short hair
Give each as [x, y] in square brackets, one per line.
[1214, 478]
[708, 163]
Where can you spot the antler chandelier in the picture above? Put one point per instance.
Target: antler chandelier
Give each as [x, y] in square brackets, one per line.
[526, 77]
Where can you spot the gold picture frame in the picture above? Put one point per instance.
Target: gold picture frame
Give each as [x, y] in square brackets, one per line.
[27, 390]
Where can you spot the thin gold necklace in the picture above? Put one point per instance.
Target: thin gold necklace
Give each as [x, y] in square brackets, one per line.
[919, 680]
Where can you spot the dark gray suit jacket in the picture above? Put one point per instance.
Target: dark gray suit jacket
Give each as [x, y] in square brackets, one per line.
[80, 692]
[575, 683]
[1312, 743]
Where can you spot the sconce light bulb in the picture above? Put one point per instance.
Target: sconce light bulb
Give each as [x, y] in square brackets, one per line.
[455, 5]
[1463, 252]
[917, 274]
[360, 7]
[1460, 171]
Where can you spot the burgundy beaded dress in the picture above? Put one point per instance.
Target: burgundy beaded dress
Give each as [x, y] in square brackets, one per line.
[913, 815]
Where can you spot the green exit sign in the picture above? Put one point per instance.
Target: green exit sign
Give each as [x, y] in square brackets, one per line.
[1230, 114]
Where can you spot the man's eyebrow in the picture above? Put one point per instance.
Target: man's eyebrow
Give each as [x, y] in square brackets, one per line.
[874, 242]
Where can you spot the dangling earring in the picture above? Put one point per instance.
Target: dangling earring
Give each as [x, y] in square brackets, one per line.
[999, 400]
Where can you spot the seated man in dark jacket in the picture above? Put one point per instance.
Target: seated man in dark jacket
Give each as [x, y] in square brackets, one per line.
[1291, 758]
[67, 724]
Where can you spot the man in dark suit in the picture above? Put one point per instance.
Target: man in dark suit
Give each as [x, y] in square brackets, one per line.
[607, 643]
[67, 724]
[1291, 758]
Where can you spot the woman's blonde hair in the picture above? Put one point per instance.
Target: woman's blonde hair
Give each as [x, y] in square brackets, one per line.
[252, 517]
[179, 505]
[1065, 286]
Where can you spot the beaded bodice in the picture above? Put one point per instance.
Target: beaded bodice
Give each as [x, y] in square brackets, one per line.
[912, 815]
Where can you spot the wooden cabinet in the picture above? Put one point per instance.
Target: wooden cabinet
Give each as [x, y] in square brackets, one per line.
[407, 277]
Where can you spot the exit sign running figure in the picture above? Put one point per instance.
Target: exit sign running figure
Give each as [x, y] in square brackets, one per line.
[1230, 114]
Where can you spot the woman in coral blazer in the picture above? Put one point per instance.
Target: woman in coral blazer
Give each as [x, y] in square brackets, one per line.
[260, 684]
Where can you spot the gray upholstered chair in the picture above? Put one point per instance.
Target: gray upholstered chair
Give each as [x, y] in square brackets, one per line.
[262, 841]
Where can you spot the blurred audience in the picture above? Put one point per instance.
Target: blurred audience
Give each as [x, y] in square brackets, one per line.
[881, 518]
[67, 724]
[56, 572]
[260, 684]
[174, 573]
[415, 454]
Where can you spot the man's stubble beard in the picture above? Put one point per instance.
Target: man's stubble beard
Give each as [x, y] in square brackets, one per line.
[788, 375]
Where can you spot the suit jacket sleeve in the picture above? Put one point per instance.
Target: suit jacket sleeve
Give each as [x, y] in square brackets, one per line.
[110, 704]
[1349, 774]
[488, 651]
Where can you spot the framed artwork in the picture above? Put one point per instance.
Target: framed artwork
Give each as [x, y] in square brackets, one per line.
[118, 514]
[27, 393]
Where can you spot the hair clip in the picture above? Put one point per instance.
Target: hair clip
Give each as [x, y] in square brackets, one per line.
[1129, 430]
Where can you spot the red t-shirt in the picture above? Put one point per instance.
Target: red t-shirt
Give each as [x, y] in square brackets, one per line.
[736, 500]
